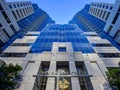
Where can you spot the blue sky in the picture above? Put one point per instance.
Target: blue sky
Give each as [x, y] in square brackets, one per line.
[62, 10]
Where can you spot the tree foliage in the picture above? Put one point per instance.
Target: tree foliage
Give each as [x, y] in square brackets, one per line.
[7, 75]
[113, 76]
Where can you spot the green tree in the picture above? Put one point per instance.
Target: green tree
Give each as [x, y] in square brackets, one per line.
[113, 76]
[7, 75]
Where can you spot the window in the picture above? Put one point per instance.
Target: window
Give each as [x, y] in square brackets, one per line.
[91, 35]
[103, 6]
[100, 13]
[109, 55]
[14, 6]
[111, 8]
[21, 44]
[28, 10]
[13, 54]
[81, 70]
[6, 17]
[18, 5]
[115, 18]
[101, 45]
[24, 4]
[24, 11]
[21, 4]
[18, 13]
[10, 6]
[13, 28]
[110, 28]
[1, 44]
[98, 5]
[21, 12]
[32, 34]
[107, 15]
[103, 14]
[31, 61]
[62, 49]
[96, 12]
[0, 25]
[43, 70]
[6, 32]
[1, 8]
[106, 7]
[14, 15]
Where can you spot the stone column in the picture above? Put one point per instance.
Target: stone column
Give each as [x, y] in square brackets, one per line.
[74, 80]
[51, 80]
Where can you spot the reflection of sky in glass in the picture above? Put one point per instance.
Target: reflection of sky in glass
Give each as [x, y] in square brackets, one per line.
[61, 33]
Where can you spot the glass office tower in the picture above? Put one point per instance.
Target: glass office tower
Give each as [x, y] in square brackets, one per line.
[88, 22]
[35, 20]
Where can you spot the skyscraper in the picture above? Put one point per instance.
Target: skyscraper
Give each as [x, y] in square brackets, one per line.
[21, 10]
[19, 17]
[100, 17]
[112, 26]
[71, 56]
[109, 13]
[8, 25]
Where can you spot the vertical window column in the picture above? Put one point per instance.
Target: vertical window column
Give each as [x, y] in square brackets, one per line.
[6, 17]
[14, 15]
[6, 33]
[110, 28]
[21, 12]
[1, 8]
[107, 16]
[1, 43]
[98, 12]
[115, 18]
[18, 14]
[103, 15]
[13, 28]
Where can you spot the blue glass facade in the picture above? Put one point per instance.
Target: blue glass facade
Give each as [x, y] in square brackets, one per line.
[87, 22]
[38, 13]
[61, 33]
